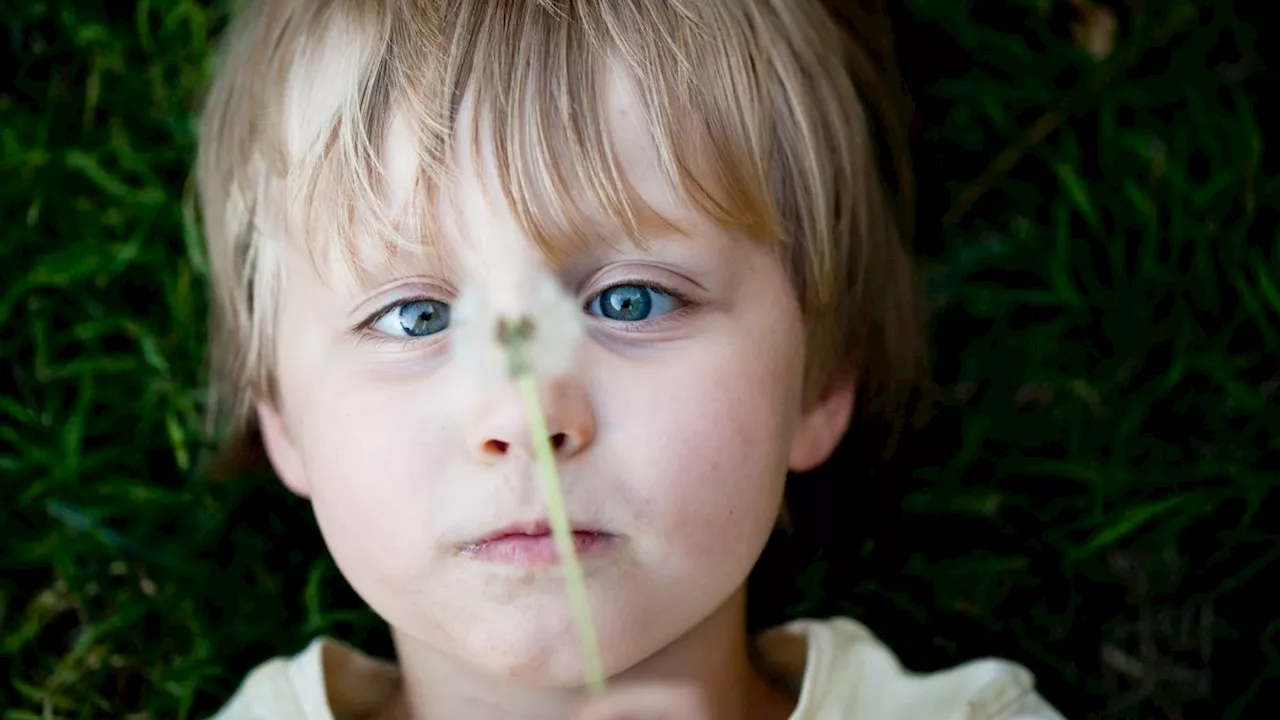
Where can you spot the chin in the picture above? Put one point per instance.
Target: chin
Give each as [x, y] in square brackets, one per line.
[532, 659]
[542, 650]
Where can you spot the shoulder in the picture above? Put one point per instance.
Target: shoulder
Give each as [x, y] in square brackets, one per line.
[849, 673]
[280, 687]
[326, 681]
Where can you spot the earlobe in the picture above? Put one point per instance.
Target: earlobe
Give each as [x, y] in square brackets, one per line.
[281, 450]
[822, 426]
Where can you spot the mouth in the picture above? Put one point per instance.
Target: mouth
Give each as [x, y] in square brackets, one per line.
[531, 544]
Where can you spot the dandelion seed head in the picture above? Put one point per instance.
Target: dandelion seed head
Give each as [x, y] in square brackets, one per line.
[533, 317]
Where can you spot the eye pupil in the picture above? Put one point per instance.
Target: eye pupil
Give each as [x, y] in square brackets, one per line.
[424, 317]
[626, 302]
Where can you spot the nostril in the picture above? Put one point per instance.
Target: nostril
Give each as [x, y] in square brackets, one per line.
[558, 440]
[495, 447]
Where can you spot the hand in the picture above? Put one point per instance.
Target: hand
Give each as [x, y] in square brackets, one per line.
[648, 701]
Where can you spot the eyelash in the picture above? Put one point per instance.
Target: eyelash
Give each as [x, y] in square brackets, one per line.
[365, 332]
[686, 305]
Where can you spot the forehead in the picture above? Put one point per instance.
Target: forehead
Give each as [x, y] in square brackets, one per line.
[471, 210]
[472, 216]
[481, 199]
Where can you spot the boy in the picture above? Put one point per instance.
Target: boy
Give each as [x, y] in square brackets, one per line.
[699, 177]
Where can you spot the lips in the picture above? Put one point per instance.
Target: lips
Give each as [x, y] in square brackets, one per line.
[531, 544]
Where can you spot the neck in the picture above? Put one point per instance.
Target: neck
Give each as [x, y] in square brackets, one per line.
[714, 655]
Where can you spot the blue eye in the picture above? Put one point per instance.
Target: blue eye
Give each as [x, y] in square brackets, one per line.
[632, 303]
[414, 319]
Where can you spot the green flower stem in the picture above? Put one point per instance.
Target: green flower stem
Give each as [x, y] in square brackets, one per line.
[561, 531]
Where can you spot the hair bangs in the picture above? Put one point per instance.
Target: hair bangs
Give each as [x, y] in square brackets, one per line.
[365, 189]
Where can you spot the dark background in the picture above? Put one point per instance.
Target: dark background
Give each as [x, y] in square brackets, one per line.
[1094, 495]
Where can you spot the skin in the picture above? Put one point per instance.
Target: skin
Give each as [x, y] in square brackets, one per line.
[676, 436]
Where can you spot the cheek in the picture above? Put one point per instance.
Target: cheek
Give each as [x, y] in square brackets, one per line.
[707, 441]
[368, 446]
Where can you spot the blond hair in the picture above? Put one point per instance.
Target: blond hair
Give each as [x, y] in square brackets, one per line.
[767, 96]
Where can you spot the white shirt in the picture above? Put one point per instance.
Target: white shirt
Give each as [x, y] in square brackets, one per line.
[843, 671]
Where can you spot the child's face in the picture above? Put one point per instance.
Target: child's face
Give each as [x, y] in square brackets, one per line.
[679, 422]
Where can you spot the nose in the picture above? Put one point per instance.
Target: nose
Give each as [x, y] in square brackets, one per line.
[502, 428]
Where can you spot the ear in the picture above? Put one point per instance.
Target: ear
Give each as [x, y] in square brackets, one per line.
[281, 450]
[821, 426]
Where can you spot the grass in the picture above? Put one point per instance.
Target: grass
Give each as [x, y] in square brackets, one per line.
[1095, 497]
